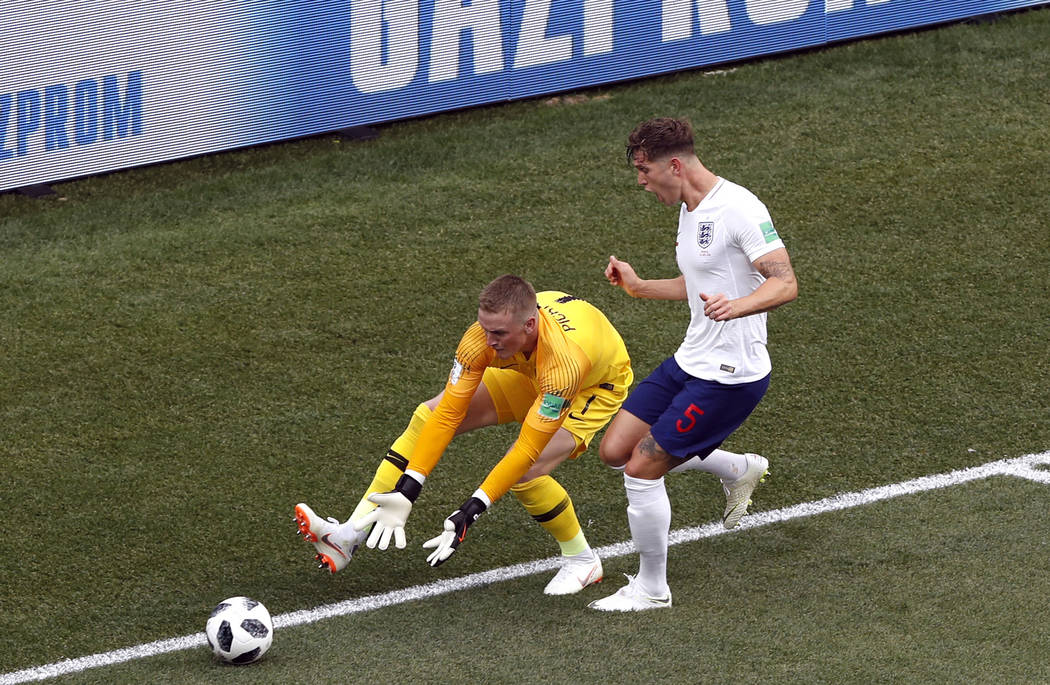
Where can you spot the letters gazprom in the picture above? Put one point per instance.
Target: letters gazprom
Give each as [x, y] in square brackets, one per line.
[58, 116]
[385, 43]
[280, 70]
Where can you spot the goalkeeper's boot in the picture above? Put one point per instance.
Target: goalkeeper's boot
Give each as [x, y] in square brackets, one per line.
[631, 597]
[577, 573]
[738, 491]
[334, 547]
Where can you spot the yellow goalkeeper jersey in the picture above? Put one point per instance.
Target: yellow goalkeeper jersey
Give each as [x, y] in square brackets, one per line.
[577, 348]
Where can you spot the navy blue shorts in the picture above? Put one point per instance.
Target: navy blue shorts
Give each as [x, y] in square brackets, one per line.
[689, 416]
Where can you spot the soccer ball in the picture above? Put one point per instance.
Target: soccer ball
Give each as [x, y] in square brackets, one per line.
[239, 630]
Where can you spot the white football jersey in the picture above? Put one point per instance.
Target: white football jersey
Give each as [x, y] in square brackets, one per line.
[717, 243]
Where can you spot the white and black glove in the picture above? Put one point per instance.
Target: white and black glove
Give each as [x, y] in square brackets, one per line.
[391, 513]
[456, 527]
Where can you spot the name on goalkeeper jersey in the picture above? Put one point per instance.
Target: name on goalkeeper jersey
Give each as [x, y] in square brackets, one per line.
[559, 318]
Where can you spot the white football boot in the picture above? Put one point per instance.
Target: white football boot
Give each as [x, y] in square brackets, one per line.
[575, 574]
[631, 598]
[334, 549]
[738, 491]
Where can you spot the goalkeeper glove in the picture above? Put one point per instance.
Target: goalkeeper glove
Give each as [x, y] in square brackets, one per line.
[391, 513]
[455, 530]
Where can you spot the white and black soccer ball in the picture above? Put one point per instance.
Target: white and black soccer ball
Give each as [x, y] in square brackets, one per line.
[239, 630]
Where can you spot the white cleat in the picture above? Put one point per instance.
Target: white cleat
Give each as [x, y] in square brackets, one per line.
[738, 492]
[631, 598]
[333, 551]
[575, 575]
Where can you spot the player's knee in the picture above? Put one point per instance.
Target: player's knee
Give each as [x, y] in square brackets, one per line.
[613, 452]
[648, 460]
[636, 468]
[644, 467]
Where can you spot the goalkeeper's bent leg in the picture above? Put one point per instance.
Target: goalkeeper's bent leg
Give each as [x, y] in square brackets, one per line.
[550, 505]
[395, 461]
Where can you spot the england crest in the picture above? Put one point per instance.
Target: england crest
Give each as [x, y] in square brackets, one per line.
[705, 234]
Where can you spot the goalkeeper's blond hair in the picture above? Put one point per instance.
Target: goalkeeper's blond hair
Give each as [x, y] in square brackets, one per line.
[509, 293]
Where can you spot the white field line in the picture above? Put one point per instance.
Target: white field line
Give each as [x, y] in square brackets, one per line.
[1032, 467]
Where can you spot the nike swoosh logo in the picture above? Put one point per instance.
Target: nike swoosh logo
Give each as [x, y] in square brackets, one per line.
[337, 548]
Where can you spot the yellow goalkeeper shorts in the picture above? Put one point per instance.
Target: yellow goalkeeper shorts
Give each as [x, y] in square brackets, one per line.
[514, 394]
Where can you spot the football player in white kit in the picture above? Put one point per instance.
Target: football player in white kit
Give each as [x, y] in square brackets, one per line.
[734, 268]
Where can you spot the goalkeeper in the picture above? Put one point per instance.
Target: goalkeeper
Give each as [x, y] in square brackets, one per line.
[552, 363]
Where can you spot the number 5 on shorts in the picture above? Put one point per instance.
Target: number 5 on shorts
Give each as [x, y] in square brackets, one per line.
[690, 413]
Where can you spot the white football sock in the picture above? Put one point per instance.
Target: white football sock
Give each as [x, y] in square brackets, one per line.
[649, 514]
[725, 465]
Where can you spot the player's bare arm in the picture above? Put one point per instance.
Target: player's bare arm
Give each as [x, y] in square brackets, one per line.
[772, 267]
[622, 274]
[779, 288]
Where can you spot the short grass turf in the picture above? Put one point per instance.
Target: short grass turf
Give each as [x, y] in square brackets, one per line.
[192, 348]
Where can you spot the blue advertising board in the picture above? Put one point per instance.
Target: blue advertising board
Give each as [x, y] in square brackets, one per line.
[88, 86]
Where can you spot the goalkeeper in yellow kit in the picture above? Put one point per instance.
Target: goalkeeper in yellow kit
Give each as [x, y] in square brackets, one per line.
[549, 361]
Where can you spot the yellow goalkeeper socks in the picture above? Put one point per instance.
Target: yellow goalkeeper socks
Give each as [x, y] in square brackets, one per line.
[548, 502]
[406, 442]
[395, 461]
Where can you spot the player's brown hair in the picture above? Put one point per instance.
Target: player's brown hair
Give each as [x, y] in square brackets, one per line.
[508, 293]
[661, 138]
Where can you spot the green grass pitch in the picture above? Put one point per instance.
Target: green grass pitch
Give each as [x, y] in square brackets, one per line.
[192, 348]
